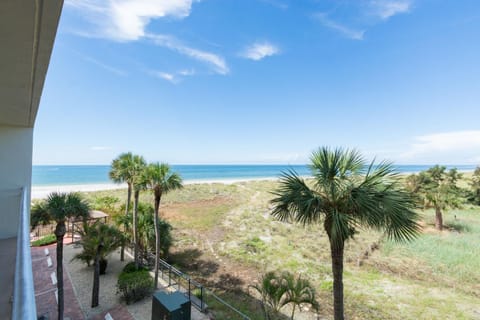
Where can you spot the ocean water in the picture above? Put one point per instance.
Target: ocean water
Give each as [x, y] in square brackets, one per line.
[48, 175]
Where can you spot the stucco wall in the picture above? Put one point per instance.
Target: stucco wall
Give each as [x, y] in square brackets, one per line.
[15, 173]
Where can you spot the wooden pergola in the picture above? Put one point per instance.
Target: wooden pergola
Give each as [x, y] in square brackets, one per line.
[94, 215]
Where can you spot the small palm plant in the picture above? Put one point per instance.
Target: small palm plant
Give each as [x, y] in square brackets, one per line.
[98, 240]
[278, 290]
[273, 291]
[300, 292]
[59, 207]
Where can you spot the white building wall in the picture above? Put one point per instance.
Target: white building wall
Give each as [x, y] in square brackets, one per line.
[15, 172]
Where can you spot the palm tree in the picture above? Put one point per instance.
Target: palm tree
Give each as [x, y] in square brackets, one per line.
[344, 195]
[137, 170]
[122, 171]
[436, 188]
[161, 180]
[98, 241]
[59, 207]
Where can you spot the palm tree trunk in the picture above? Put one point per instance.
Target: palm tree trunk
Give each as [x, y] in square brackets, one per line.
[293, 311]
[59, 234]
[337, 270]
[96, 279]
[135, 227]
[157, 236]
[127, 208]
[438, 219]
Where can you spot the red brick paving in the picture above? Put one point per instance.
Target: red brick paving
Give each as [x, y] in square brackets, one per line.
[45, 290]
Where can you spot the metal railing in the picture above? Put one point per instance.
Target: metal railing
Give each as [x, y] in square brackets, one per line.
[23, 293]
[199, 296]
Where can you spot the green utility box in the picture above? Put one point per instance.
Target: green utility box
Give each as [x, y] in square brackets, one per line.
[170, 306]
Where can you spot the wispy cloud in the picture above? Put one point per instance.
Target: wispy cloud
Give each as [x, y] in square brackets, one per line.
[346, 31]
[170, 77]
[259, 50]
[363, 14]
[389, 8]
[216, 61]
[126, 20]
[455, 147]
[102, 65]
[174, 78]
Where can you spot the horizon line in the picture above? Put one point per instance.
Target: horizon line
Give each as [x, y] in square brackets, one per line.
[250, 164]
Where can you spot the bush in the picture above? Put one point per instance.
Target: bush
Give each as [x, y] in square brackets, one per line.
[130, 267]
[134, 285]
[48, 239]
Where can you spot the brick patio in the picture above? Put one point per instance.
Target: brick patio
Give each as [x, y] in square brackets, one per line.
[45, 290]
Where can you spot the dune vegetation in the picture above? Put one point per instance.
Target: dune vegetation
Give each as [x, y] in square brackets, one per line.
[226, 238]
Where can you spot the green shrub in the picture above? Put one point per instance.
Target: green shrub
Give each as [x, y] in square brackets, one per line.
[255, 245]
[130, 267]
[135, 285]
[197, 293]
[48, 239]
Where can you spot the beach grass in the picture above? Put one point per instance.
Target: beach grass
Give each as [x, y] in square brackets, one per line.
[231, 231]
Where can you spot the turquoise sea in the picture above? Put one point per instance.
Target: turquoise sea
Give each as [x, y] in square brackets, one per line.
[45, 175]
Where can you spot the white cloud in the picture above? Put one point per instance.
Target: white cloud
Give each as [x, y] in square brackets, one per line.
[165, 76]
[126, 20]
[216, 61]
[260, 50]
[388, 8]
[449, 147]
[346, 31]
[171, 77]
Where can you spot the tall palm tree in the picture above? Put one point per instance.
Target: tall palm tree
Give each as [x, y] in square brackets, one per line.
[344, 195]
[138, 166]
[160, 179]
[59, 207]
[122, 171]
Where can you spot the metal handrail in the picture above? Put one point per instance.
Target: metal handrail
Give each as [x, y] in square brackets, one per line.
[24, 306]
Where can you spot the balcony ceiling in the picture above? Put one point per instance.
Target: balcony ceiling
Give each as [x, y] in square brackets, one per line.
[27, 33]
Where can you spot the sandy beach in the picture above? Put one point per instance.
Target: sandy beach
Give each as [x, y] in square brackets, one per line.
[41, 192]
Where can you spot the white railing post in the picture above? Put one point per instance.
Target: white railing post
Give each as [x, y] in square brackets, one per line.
[23, 293]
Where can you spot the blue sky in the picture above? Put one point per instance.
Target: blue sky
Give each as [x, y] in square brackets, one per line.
[262, 81]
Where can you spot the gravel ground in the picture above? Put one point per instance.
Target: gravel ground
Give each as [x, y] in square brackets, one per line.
[82, 280]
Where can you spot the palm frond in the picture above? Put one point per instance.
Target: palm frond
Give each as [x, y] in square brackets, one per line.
[294, 200]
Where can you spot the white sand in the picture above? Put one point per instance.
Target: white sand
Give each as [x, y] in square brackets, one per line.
[41, 192]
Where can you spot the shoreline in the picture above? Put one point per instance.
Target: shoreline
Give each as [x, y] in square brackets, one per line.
[42, 191]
